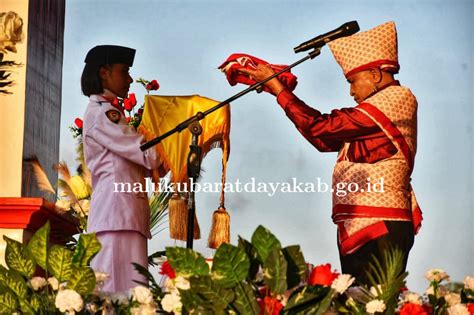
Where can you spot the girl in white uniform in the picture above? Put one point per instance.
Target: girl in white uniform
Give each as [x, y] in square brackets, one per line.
[111, 147]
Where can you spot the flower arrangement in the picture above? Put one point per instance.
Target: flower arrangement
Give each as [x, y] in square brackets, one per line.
[234, 281]
[262, 277]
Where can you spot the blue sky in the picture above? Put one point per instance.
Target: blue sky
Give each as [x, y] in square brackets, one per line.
[181, 43]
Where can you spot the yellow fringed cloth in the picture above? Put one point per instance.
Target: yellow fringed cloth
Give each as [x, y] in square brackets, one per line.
[163, 113]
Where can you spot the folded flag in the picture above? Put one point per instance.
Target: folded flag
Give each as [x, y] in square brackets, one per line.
[238, 61]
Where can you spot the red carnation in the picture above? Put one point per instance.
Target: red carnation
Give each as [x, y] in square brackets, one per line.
[270, 306]
[166, 269]
[322, 275]
[470, 308]
[153, 85]
[412, 309]
[78, 123]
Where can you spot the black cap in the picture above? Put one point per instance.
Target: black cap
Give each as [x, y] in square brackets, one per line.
[110, 54]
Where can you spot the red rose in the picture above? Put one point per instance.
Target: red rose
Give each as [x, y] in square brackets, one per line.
[78, 123]
[127, 104]
[128, 119]
[132, 98]
[115, 102]
[322, 275]
[470, 308]
[270, 306]
[153, 85]
[166, 269]
[413, 309]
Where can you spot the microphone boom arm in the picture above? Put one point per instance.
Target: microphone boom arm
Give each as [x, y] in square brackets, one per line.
[201, 115]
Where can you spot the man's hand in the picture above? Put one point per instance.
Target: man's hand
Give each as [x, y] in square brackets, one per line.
[261, 73]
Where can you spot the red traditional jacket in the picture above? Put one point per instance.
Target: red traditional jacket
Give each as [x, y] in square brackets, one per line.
[376, 139]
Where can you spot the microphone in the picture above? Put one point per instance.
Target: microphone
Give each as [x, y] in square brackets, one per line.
[345, 29]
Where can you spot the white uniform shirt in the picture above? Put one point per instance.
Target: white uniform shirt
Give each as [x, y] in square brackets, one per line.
[112, 153]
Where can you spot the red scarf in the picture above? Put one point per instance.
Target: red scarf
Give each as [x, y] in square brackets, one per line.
[238, 61]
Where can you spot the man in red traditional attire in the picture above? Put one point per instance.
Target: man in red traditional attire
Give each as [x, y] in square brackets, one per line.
[375, 139]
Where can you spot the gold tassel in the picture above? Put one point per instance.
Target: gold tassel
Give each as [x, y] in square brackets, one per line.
[178, 218]
[220, 231]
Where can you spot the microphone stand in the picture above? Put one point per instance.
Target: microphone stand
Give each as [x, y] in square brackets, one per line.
[194, 157]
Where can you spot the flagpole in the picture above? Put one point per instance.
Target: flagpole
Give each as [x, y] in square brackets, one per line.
[194, 157]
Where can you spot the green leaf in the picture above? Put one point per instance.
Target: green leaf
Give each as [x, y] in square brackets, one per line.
[82, 280]
[15, 282]
[187, 262]
[38, 246]
[18, 258]
[217, 298]
[147, 274]
[389, 274]
[8, 303]
[245, 300]
[26, 307]
[326, 302]
[35, 302]
[206, 297]
[3, 274]
[274, 271]
[296, 271]
[253, 257]
[230, 265]
[87, 247]
[60, 263]
[305, 298]
[192, 302]
[264, 242]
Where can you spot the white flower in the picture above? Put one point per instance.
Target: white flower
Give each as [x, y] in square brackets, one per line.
[69, 301]
[469, 283]
[119, 298]
[169, 285]
[54, 283]
[342, 282]
[142, 295]
[144, 309]
[437, 275]
[38, 282]
[452, 299]
[181, 283]
[375, 306]
[411, 297]
[101, 276]
[458, 309]
[171, 302]
[375, 290]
